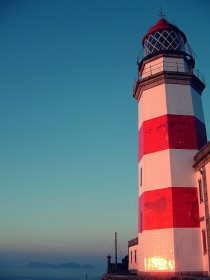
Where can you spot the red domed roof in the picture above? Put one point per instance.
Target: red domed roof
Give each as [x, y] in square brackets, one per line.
[160, 25]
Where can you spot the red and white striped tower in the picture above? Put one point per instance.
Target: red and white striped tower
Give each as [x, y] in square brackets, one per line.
[171, 130]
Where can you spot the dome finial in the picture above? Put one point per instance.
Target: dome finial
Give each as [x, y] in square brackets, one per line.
[161, 14]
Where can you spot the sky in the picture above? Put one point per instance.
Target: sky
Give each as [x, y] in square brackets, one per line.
[68, 122]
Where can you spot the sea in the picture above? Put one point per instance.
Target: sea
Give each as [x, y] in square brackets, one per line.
[28, 273]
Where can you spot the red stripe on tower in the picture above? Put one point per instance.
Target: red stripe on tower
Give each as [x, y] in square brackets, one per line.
[175, 207]
[171, 132]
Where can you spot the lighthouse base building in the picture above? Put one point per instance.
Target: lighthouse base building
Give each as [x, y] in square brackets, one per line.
[173, 159]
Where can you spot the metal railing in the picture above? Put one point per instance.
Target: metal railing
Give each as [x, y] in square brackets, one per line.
[171, 67]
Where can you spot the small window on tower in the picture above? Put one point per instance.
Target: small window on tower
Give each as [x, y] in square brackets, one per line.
[135, 256]
[204, 242]
[200, 190]
[131, 256]
[141, 226]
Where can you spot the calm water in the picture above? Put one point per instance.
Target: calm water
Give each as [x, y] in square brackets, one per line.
[50, 274]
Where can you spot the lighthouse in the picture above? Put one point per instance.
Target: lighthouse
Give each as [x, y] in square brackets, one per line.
[171, 130]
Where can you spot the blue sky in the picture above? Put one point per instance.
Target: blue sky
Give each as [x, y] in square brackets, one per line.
[68, 121]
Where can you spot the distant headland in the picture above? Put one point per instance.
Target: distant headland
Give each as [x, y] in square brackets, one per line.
[62, 265]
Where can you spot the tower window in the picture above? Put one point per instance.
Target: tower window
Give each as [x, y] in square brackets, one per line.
[200, 190]
[135, 255]
[141, 222]
[204, 242]
[131, 256]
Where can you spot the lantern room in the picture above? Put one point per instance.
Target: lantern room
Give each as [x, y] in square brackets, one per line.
[165, 37]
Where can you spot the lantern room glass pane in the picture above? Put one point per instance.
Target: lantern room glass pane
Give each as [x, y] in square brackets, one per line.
[163, 40]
